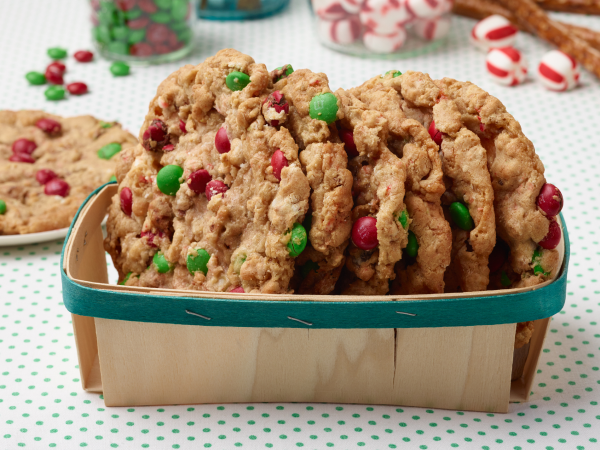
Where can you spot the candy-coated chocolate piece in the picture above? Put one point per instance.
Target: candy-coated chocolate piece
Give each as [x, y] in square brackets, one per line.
[138, 24]
[288, 71]
[461, 216]
[57, 53]
[168, 148]
[435, 134]
[551, 239]
[198, 180]
[198, 261]
[49, 126]
[109, 150]
[43, 176]
[182, 126]
[56, 186]
[147, 6]
[238, 289]
[118, 47]
[23, 145]
[119, 69]
[157, 33]
[35, 78]
[21, 157]
[412, 248]
[161, 263]
[396, 73]
[298, 239]
[2, 207]
[112, 179]
[125, 5]
[163, 4]
[105, 124]
[498, 256]
[324, 107]
[168, 179]
[54, 76]
[55, 93]
[156, 136]
[84, 56]
[236, 81]
[504, 280]
[222, 143]
[141, 49]
[539, 270]
[277, 101]
[77, 88]
[160, 17]
[550, 200]
[179, 9]
[136, 36]
[403, 219]
[278, 162]
[215, 187]
[57, 66]
[125, 280]
[348, 138]
[364, 233]
[126, 197]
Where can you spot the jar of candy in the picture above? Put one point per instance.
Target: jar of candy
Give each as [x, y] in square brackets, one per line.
[388, 29]
[239, 9]
[145, 31]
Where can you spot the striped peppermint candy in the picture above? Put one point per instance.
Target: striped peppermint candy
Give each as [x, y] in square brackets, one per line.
[506, 66]
[384, 16]
[558, 71]
[333, 10]
[352, 6]
[493, 32]
[384, 43]
[432, 29]
[344, 31]
[427, 9]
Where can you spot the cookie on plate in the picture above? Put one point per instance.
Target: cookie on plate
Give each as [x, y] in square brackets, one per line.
[50, 164]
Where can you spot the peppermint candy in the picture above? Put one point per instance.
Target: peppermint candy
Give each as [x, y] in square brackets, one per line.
[384, 16]
[506, 66]
[352, 6]
[384, 43]
[344, 31]
[428, 9]
[558, 71]
[493, 32]
[333, 11]
[432, 29]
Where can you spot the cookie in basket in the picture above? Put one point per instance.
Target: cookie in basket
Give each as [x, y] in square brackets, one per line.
[50, 164]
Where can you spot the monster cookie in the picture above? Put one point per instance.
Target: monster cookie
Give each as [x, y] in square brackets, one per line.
[50, 164]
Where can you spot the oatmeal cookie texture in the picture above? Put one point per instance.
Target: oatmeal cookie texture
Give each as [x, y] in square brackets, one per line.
[50, 164]
[216, 192]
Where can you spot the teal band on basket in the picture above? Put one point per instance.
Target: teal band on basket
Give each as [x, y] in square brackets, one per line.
[288, 313]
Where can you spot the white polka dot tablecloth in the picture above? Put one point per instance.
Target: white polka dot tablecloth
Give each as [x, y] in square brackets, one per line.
[42, 404]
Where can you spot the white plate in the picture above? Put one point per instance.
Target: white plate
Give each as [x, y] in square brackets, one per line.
[32, 238]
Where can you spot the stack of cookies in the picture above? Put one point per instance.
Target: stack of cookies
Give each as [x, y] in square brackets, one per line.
[252, 181]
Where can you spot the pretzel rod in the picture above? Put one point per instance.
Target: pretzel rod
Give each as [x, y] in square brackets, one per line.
[480, 9]
[572, 6]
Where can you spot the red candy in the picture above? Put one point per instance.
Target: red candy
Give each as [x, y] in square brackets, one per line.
[156, 132]
[222, 141]
[24, 146]
[162, 49]
[150, 238]
[435, 134]
[54, 77]
[141, 49]
[238, 289]
[364, 233]
[139, 23]
[498, 255]
[550, 200]
[215, 187]
[84, 56]
[45, 175]
[198, 180]
[77, 88]
[147, 6]
[168, 148]
[49, 126]
[57, 67]
[126, 5]
[348, 138]
[182, 126]
[277, 101]
[552, 239]
[157, 33]
[278, 162]
[56, 186]
[21, 157]
[126, 200]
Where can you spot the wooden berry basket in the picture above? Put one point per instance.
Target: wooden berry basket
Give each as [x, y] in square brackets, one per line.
[143, 346]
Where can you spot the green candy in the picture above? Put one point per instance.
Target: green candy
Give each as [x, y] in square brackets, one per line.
[163, 4]
[297, 241]
[288, 71]
[324, 107]
[184, 35]
[120, 33]
[504, 280]
[461, 217]
[55, 93]
[35, 78]
[198, 262]
[239, 261]
[112, 179]
[161, 17]
[57, 53]
[161, 263]
[119, 69]
[179, 26]
[2, 207]
[537, 255]
[236, 81]
[136, 36]
[122, 283]
[412, 248]
[396, 73]
[308, 268]
[109, 150]
[102, 34]
[118, 48]
[168, 178]
[403, 219]
[179, 9]
[105, 124]
[132, 14]
[536, 260]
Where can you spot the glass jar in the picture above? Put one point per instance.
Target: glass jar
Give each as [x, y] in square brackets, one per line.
[142, 31]
[239, 9]
[388, 29]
